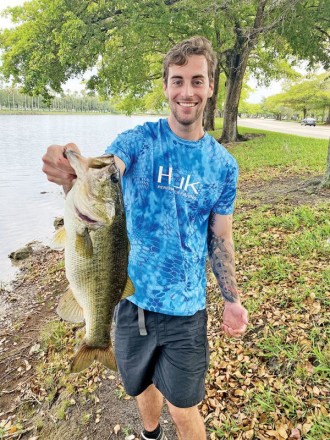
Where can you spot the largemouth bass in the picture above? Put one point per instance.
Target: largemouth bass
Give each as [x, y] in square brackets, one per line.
[96, 255]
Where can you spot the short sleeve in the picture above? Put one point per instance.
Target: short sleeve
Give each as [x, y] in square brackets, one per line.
[225, 203]
[124, 146]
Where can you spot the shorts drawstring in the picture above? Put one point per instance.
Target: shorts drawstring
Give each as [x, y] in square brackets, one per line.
[142, 322]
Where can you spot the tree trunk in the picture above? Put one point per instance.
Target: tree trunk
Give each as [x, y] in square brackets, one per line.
[211, 105]
[326, 180]
[327, 121]
[237, 63]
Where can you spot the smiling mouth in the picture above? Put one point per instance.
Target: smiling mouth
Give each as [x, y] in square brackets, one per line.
[187, 104]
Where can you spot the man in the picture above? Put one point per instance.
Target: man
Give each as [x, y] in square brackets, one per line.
[179, 188]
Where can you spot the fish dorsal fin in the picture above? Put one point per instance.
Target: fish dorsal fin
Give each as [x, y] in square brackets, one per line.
[101, 161]
[60, 236]
[69, 309]
[129, 289]
[84, 245]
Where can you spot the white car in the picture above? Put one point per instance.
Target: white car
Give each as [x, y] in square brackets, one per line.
[309, 121]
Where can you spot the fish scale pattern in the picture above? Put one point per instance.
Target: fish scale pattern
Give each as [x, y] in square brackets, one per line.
[170, 187]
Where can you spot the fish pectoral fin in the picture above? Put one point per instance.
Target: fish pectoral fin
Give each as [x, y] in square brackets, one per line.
[86, 355]
[60, 236]
[69, 309]
[129, 289]
[84, 245]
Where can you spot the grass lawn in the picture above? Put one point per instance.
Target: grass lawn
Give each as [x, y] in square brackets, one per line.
[274, 382]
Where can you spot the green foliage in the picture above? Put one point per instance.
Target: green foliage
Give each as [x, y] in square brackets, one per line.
[11, 99]
[308, 32]
[124, 42]
[308, 95]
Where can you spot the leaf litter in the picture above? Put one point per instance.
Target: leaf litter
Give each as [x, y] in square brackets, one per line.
[273, 383]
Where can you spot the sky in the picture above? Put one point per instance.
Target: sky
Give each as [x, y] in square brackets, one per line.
[5, 22]
[75, 84]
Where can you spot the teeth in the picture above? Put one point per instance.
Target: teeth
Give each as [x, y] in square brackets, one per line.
[187, 104]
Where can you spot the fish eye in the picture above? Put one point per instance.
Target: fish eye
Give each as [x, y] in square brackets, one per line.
[114, 178]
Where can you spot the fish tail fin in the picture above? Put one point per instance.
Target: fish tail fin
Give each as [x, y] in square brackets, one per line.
[59, 237]
[86, 355]
[107, 358]
[69, 309]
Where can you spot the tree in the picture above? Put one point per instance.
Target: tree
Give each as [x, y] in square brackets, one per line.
[275, 105]
[124, 42]
[308, 96]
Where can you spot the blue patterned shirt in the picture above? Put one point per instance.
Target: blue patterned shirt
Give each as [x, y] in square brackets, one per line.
[170, 187]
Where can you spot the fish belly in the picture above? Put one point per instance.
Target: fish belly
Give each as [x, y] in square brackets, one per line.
[97, 281]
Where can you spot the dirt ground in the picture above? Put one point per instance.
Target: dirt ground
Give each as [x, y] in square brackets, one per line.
[294, 190]
[28, 305]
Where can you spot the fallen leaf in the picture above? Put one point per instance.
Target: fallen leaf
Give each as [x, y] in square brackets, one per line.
[295, 434]
[239, 393]
[306, 428]
[309, 367]
[282, 431]
[324, 411]
[27, 365]
[249, 434]
[316, 391]
[272, 433]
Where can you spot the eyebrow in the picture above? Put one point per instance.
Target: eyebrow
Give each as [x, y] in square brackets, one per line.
[181, 77]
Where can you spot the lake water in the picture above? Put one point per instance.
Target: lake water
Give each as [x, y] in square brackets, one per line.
[28, 202]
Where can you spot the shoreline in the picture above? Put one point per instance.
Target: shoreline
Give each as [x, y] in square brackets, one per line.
[63, 113]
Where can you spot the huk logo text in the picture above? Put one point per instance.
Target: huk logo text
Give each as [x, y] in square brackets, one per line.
[184, 185]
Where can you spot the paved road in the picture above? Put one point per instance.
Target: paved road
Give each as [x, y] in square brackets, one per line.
[321, 132]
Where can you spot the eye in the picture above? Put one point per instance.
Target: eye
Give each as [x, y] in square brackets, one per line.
[177, 82]
[114, 177]
[198, 82]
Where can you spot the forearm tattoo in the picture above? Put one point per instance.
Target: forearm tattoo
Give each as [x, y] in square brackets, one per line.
[222, 260]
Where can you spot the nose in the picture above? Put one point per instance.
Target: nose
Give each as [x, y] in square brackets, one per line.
[187, 90]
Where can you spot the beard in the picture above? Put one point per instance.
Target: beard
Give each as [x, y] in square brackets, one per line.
[188, 119]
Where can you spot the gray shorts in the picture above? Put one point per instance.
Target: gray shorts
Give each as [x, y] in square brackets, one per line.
[173, 356]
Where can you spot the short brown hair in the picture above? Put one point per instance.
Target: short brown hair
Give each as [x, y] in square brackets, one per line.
[180, 53]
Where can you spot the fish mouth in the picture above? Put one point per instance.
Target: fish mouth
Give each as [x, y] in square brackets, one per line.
[85, 218]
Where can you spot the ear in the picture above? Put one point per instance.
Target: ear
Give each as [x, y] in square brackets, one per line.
[165, 89]
[211, 88]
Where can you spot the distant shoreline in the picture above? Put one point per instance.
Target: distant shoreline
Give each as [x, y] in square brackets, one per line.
[45, 112]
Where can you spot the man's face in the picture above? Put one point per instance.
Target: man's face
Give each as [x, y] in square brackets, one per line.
[187, 90]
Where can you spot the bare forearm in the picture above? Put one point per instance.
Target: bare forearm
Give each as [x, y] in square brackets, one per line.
[222, 260]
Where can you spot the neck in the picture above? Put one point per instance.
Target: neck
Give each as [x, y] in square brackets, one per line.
[192, 132]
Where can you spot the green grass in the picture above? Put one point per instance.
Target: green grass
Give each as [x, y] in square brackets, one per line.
[276, 152]
[53, 336]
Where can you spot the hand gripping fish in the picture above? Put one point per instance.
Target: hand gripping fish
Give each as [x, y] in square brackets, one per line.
[96, 255]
